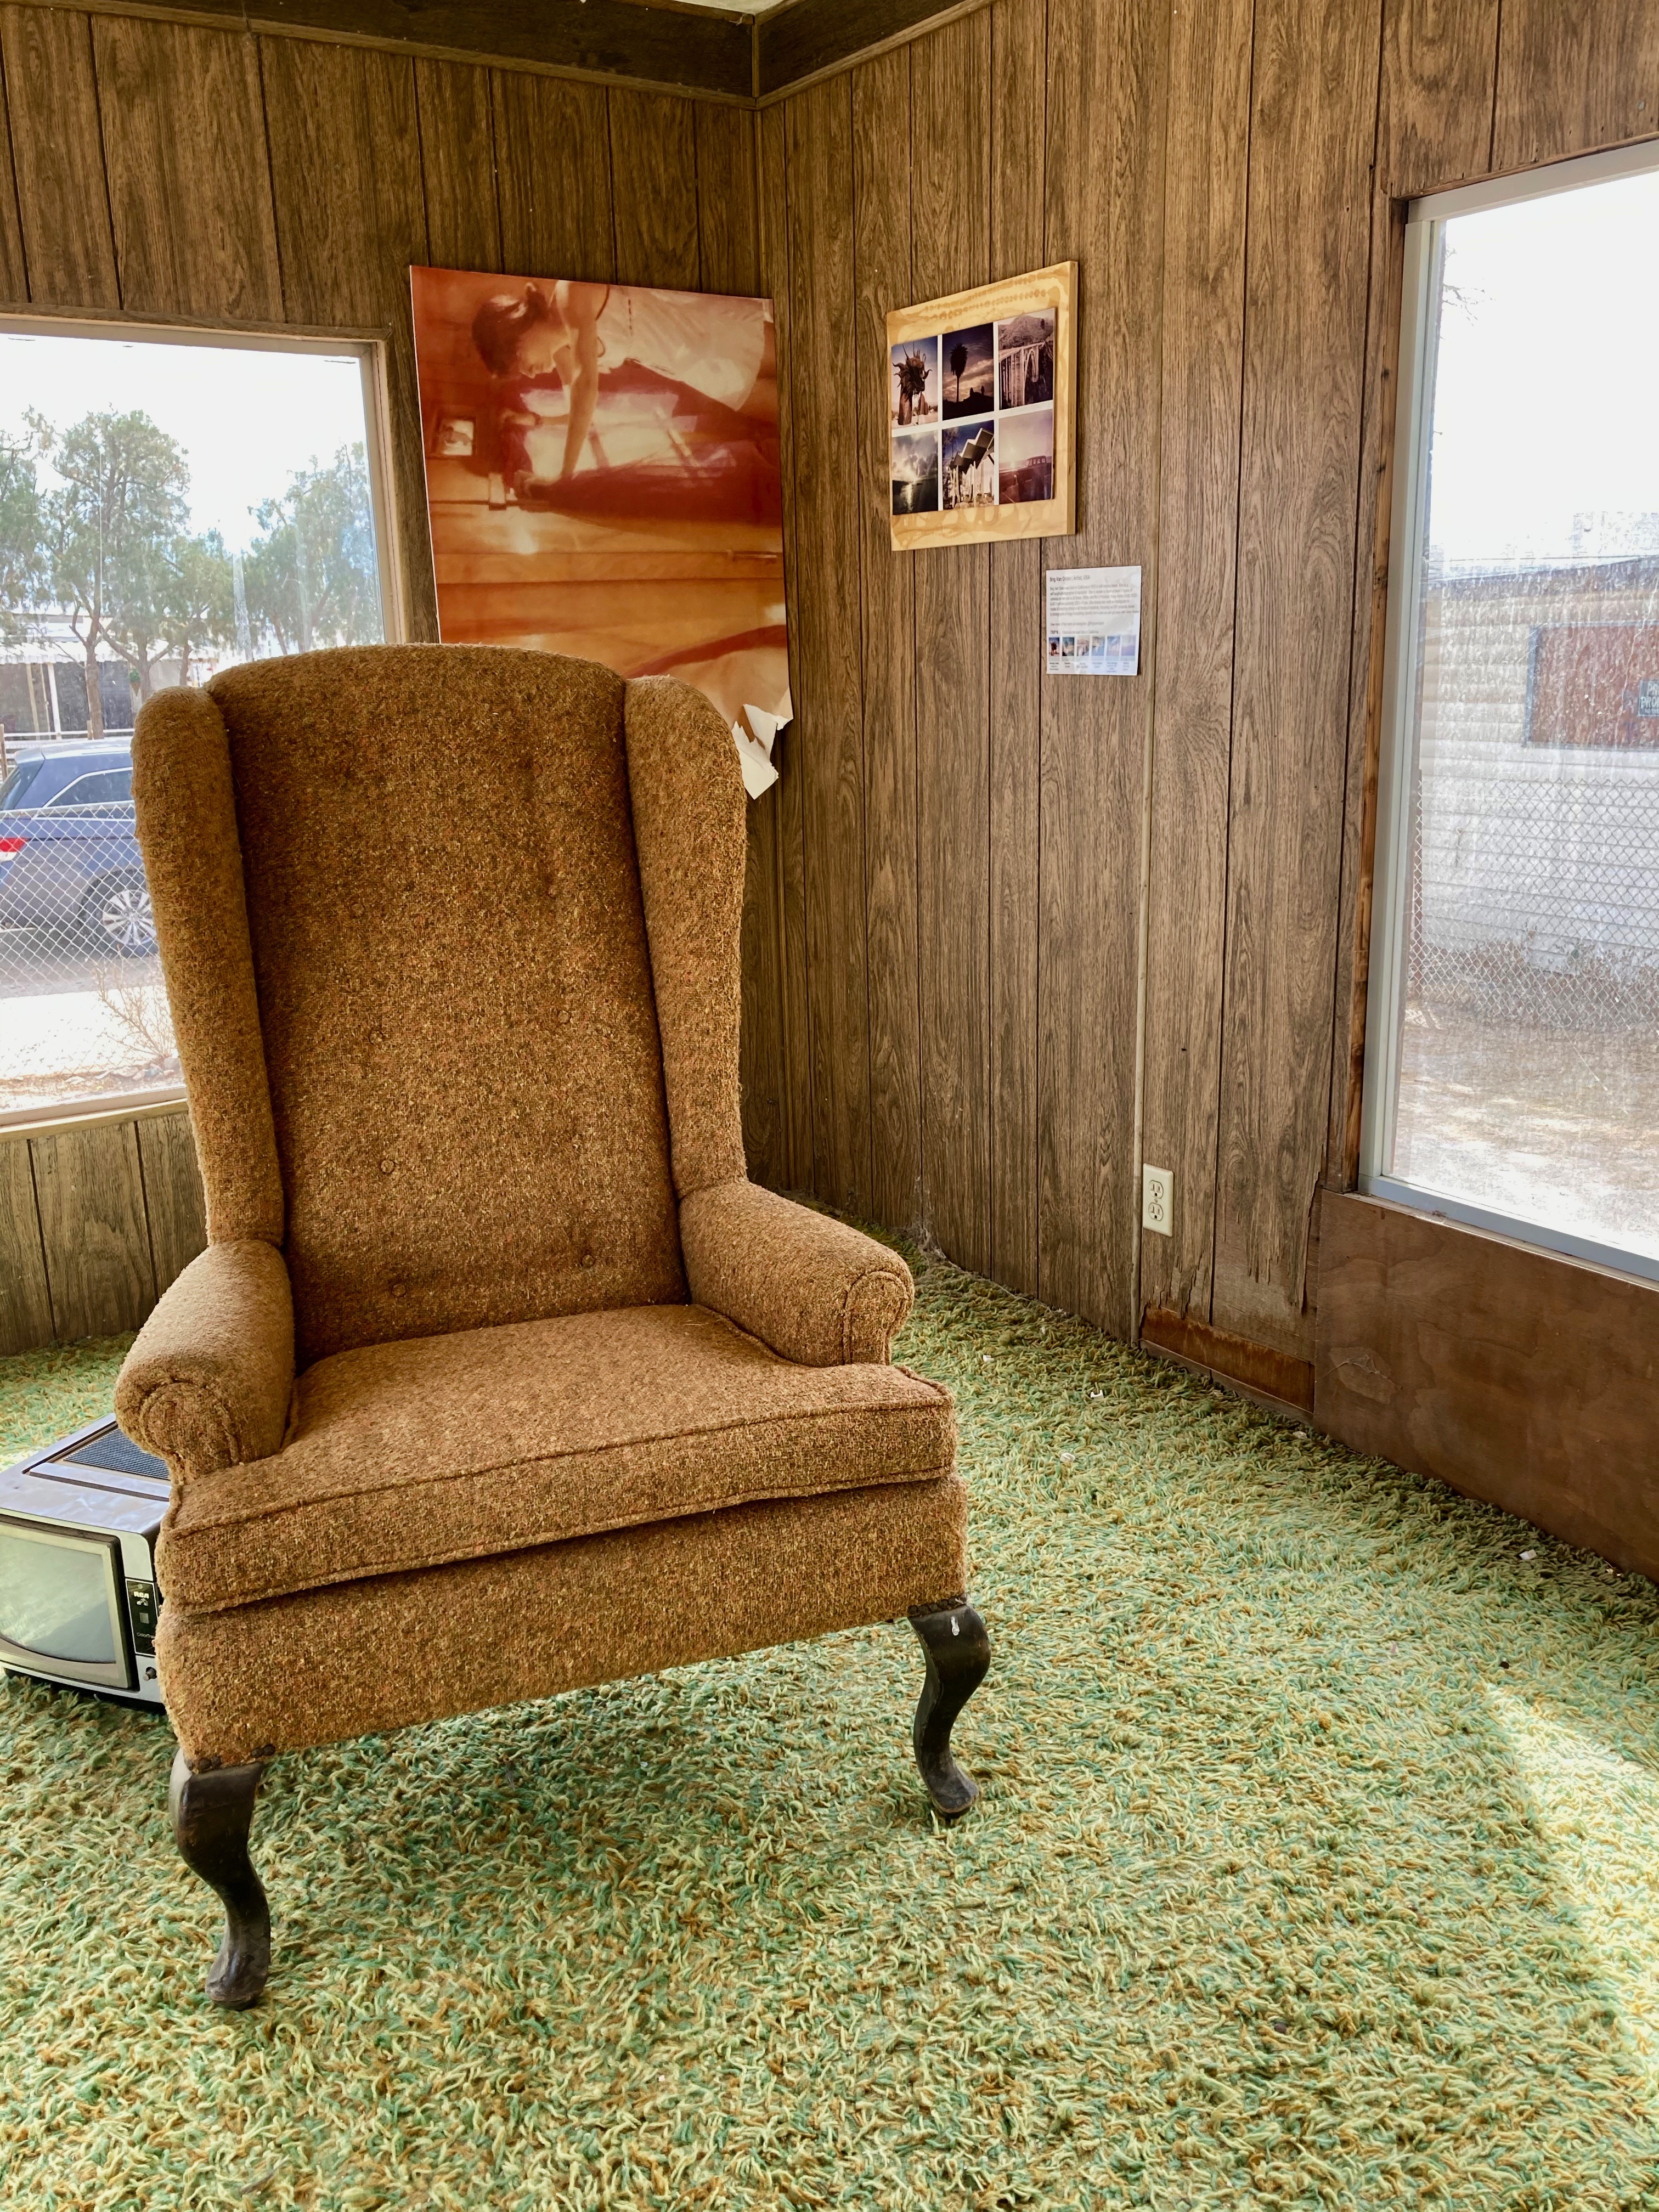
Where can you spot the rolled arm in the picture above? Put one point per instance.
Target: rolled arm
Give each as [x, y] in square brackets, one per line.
[813, 1289]
[207, 1383]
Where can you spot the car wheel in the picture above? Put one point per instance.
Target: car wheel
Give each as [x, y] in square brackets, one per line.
[120, 915]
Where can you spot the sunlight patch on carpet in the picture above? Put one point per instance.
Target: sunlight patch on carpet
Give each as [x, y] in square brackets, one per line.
[1597, 1803]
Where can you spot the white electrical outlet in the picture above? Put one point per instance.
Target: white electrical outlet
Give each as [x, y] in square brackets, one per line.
[1157, 1200]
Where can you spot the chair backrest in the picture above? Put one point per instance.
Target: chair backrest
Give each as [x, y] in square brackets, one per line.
[409, 901]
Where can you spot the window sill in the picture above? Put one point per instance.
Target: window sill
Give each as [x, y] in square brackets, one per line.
[129, 1106]
[1638, 1266]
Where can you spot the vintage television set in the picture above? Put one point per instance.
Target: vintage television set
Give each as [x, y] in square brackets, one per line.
[78, 1595]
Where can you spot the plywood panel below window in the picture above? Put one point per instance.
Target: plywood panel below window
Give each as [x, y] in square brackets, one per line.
[25, 1301]
[1515, 1375]
[174, 1206]
[93, 1230]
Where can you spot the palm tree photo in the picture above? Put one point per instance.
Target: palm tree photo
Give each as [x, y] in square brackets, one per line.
[912, 374]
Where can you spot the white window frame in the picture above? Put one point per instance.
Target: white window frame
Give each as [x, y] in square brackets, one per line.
[370, 350]
[1391, 884]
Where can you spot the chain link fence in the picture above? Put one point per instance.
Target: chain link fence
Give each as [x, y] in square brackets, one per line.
[1535, 814]
[1538, 907]
[83, 1012]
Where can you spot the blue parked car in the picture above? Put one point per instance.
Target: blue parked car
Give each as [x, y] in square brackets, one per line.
[68, 857]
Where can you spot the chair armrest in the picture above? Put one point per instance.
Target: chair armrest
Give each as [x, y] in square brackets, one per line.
[208, 1382]
[813, 1289]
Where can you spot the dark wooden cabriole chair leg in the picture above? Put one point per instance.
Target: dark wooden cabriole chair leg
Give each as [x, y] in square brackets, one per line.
[959, 1652]
[212, 1812]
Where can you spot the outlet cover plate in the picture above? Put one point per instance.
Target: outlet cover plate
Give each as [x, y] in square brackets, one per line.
[1158, 1200]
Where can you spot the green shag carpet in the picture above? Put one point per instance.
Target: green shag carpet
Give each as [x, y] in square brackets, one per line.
[1317, 1865]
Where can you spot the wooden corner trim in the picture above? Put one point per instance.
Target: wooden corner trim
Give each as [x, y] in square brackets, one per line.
[737, 58]
[706, 54]
[801, 42]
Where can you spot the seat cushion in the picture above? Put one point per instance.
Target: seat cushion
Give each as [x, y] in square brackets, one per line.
[443, 1448]
[362, 1658]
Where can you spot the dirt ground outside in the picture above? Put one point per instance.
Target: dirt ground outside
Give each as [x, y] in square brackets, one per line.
[1557, 1126]
[73, 1025]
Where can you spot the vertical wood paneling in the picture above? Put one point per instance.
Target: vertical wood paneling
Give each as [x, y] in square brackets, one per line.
[322, 175]
[762, 1056]
[553, 176]
[458, 165]
[351, 216]
[345, 179]
[829, 732]
[90, 1194]
[881, 188]
[729, 246]
[175, 1208]
[1206, 176]
[1104, 201]
[728, 218]
[13, 274]
[795, 1075]
[25, 1302]
[254, 180]
[1435, 116]
[653, 182]
[400, 200]
[1574, 74]
[52, 98]
[188, 170]
[1019, 95]
[1313, 125]
[1365, 674]
[950, 251]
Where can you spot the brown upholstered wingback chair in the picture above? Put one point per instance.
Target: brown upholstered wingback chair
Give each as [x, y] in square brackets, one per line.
[497, 1376]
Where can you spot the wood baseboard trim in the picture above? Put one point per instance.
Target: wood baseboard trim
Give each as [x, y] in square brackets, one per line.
[1262, 1373]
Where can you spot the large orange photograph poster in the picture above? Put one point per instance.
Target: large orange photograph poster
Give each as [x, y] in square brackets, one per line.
[603, 478]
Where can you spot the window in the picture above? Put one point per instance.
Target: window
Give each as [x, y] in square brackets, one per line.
[1512, 1075]
[112, 785]
[170, 503]
[13, 790]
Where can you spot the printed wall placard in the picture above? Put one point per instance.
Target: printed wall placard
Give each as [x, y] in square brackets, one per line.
[981, 395]
[1094, 621]
[603, 478]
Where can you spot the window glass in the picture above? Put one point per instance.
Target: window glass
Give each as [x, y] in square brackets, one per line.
[166, 509]
[14, 791]
[96, 790]
[1516, 1032]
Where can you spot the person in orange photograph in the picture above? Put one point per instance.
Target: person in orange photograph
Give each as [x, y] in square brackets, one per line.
[628, 438]
[545, 343]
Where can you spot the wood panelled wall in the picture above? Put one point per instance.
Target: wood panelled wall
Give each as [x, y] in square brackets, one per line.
[1027, 934]
[1004, 940]
[169, 171]
[96, 1218]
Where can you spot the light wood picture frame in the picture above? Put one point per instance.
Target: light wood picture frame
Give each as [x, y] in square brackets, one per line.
[997, 458]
